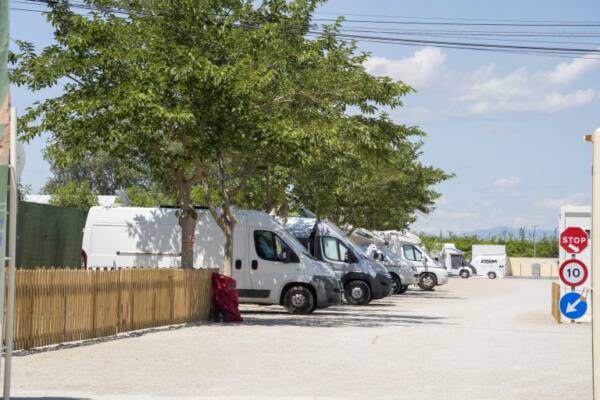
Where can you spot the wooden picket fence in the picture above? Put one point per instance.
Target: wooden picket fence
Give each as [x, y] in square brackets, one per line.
[58, 305]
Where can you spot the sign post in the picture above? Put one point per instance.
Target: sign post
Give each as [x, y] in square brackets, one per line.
[595, 139]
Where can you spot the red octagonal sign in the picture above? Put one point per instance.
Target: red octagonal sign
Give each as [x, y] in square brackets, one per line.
[574, 240]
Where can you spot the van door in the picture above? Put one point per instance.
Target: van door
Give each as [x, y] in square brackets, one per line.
[413, 256]
[336, 255]
[273, 263]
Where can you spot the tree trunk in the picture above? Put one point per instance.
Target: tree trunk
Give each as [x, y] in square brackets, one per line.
[187, 221]
[228, 260]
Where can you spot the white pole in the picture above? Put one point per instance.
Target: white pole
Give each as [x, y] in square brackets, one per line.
[12, 250]
[595, 138]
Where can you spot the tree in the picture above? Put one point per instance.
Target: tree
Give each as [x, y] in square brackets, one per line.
[369, 176]
[103, 173]
[205, 94]
[75, 195]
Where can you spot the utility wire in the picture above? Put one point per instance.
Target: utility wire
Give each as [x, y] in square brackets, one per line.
[350, 34]
[454, 19]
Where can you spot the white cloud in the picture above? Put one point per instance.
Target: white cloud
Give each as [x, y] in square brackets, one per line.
[487, 90]
[522, 91]
[419, 71]
[568, 72]
[508, 182]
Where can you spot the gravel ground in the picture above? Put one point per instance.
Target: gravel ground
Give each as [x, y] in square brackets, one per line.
[471, 339]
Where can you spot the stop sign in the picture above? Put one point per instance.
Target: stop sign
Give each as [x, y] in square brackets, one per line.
[574, 240]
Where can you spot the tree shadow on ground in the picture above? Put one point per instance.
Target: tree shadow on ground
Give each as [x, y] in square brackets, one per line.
[339, 317]
[422, 294]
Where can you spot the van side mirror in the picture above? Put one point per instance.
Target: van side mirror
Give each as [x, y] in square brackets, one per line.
[348, 258]
[287, 257]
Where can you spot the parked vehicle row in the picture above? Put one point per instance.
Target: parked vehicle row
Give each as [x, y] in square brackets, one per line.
[304, 265]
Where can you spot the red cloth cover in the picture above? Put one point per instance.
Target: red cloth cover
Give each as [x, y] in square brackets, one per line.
[225, 299]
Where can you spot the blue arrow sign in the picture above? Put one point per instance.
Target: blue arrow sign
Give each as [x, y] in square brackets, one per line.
[573, 305]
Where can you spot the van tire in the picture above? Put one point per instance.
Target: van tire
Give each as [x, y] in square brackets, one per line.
[403, 289]
[396, 284]
[427, 281]
[465, 274]
[299, 300]
[357, 293]
[492, 275]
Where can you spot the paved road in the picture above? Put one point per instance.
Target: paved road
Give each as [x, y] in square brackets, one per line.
[472, 339]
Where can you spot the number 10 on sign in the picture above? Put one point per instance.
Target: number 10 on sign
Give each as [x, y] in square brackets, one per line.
[573, 272]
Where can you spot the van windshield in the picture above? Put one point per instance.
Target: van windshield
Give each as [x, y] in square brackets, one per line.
[357, 250]
[294, 243]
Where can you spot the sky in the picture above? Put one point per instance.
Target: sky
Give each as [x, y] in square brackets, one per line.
[509, 126]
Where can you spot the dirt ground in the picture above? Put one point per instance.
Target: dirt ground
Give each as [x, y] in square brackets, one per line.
[471, 339]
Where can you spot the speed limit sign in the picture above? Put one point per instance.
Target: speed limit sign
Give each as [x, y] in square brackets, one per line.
[573, 272]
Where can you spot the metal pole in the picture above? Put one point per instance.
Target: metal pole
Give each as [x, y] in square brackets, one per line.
[534, 227]
[595, 139]
[12, 249]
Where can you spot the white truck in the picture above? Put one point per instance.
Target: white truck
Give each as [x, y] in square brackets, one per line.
[489, 260]
[270, 265]
[454, 261]
[407, 245]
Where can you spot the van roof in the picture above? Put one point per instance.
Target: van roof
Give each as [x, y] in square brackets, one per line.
[140, 215]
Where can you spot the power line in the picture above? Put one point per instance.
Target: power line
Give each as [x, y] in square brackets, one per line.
[386, 36]
[506, 24]
[456, 19]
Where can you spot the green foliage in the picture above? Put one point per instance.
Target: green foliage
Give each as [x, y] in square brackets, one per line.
[141, 197]
[215, 98]
[74, 195]
[521, 246]
[104, 173]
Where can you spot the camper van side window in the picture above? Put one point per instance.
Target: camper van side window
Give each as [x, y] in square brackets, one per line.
[411, 253]
[330, 248]
[269, 246]
[334, 250]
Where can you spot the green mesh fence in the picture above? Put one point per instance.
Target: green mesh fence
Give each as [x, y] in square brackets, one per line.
[49, 236]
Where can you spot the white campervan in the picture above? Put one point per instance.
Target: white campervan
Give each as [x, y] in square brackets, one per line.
[270, 265]
[407, 245]
[454, 261]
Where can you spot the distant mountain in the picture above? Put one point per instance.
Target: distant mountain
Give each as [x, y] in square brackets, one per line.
[505, 231]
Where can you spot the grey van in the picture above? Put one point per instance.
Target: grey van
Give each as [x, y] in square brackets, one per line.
[363, 279]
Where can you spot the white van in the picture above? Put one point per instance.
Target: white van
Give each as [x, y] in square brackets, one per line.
[492, 266]
[374, 247]
[489, 260]
[407, 245]
[270, 265]
[454, 261]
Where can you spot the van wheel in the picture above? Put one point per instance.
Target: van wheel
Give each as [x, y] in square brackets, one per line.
[299, 300]
[492, 275]
[396, 284]
[427, 282]
[465, 274]
[403, 289]
[358, 293]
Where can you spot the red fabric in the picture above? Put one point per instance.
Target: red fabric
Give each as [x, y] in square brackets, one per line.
[225, 298]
